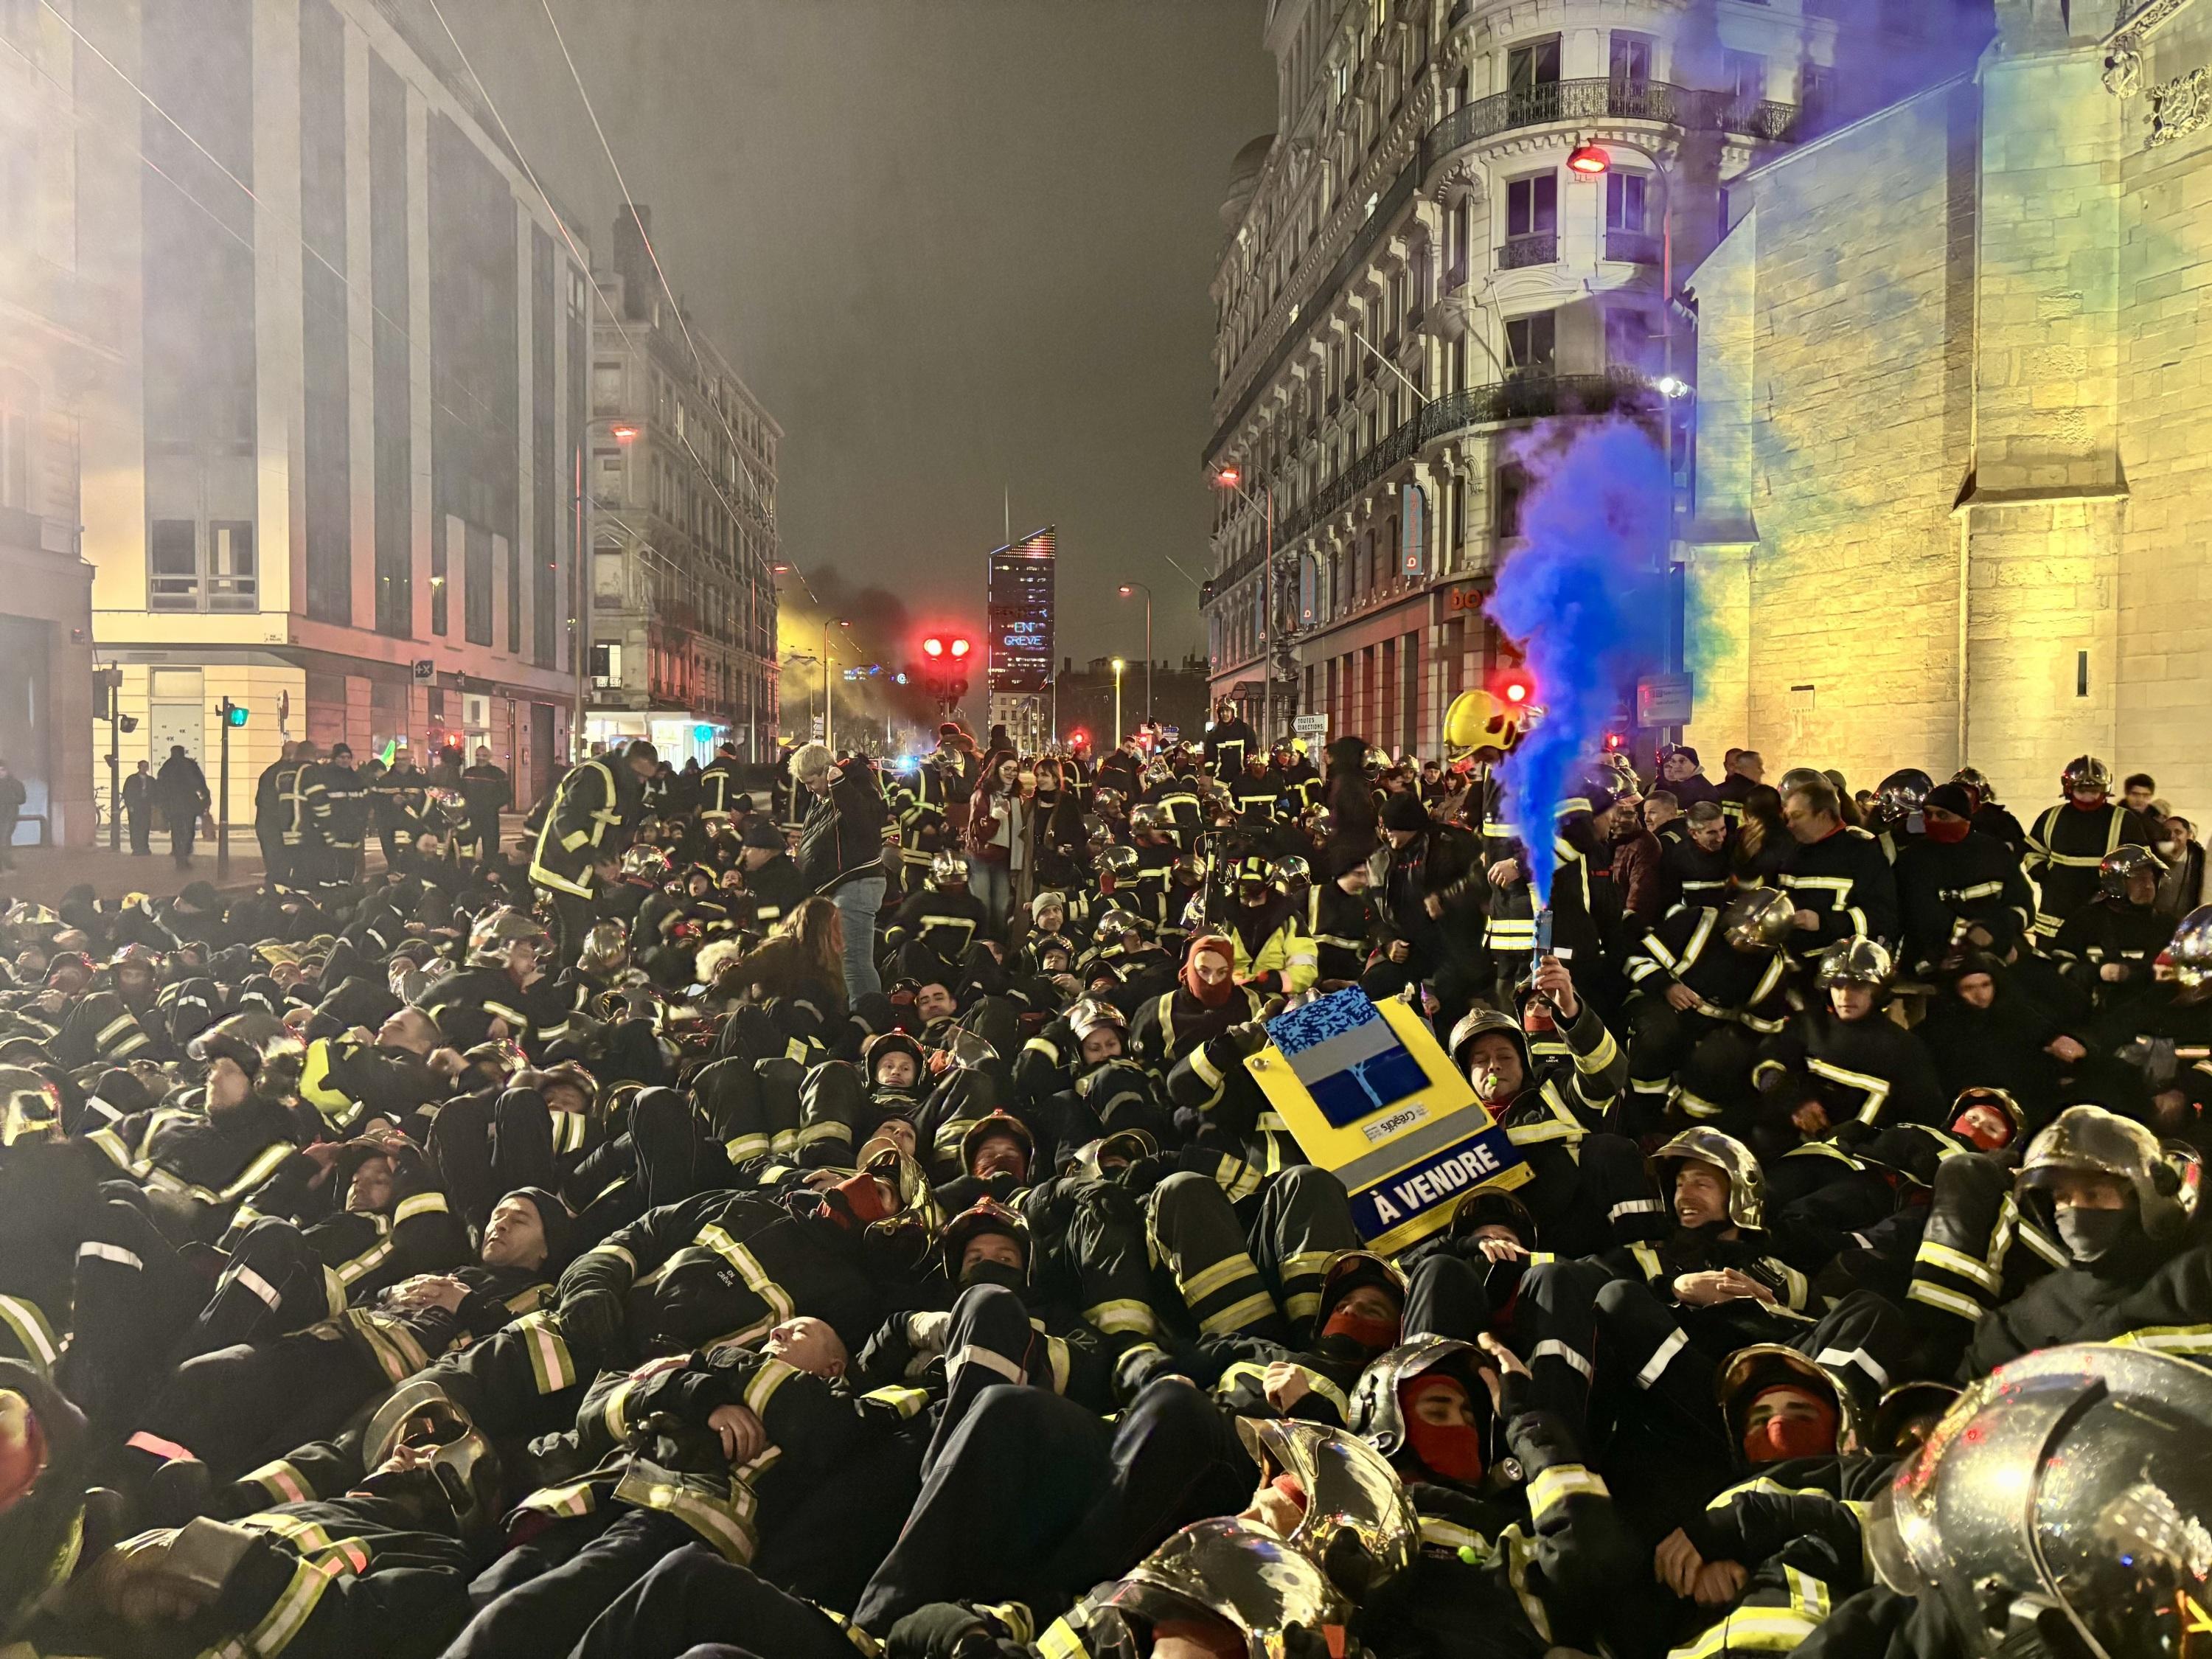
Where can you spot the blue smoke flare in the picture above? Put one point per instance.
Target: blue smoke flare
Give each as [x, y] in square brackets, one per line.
[1584, 598]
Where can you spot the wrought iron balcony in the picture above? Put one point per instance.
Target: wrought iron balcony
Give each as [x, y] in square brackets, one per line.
[1596, 98]
[1522, 397]
[1542, 248]
[1632, 247]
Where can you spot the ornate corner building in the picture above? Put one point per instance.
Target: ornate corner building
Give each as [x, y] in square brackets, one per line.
[682, 477]
[1415, 277]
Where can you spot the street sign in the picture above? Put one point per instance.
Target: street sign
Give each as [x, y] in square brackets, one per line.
[1310, 726]
[1369, 1094]
[1170, 734]
[1663, 700]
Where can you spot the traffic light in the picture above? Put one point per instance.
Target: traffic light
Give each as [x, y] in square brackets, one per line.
[944, 655]
[233, 713]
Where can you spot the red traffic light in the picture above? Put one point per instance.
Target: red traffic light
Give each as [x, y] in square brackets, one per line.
[1079, 737]
[933, 646]
[960, 647]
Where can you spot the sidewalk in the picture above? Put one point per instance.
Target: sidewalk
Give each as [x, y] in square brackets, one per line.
[43, 874]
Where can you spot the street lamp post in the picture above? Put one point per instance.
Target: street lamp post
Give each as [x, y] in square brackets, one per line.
[829, 686]
[1591, 161]
[1230, 478]
[623, 432]
[1118, 666]
[1126, 589]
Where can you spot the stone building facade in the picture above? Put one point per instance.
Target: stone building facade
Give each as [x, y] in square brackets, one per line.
[1414, 276]
[334, 477]
[62, 350]
[1953, 489]
[684, 537]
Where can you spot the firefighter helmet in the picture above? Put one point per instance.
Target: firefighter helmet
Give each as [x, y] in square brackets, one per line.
[1759, 918]
[985, 1215]
[1798, 777]
[2086, 775]
[498, 931]
[2190, 952]
[1090, 1014]
[30, 1107]
[1108, 800]
[447, 809]
[1751, 1371]
[606, 948]
[1120, 862]
[1359, 1527]
[1725, 1153]
[1239, 1572]
[138, 956]
[1149, 815]
[1901, 1422]
[1491, 1207]
[949, 869]
[644, 862]
[997, 1125]
[1855, 962]
[1117, 927]
[423, 1417]
[2188, 1166]
[2090, 1140]
[1998, 1100]
[1483, 722]
[1976, 780]
[1376, 1415]
[1293, 875]
[1123, 1147]
[1902, 793]
[1096, 837]
[1478, 1021]
[891, 1043]
[1189, 869]
[2116, 866]
[2062, 1504]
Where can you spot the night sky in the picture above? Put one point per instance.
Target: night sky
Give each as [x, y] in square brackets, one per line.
[957, 246]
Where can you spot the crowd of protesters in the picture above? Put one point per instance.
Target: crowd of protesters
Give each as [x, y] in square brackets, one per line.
[812, 1207]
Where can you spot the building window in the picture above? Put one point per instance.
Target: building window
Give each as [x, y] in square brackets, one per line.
[230, 585]
[16, 423]
[1628, 58]
[173, 570]
[1624, 200]
[1534, 65]
[606, 387]
[1513, 488]
[1460, 236]
[607, 664]
[1532, 219]
[1747, 77]
[1815, 93]
[1530, 342]
[1532, 205]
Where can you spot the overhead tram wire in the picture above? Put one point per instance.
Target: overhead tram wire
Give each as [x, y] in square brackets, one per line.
[585, 264]
[298, 230]
[222, 224]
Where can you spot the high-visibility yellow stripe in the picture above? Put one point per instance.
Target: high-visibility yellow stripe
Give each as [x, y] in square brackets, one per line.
[1554, 1487]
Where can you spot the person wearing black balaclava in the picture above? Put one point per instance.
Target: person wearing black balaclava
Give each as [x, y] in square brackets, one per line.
[2101, 1185]
[1958, 889]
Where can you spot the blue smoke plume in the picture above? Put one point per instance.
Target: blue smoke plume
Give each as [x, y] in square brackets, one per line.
[1584, 598]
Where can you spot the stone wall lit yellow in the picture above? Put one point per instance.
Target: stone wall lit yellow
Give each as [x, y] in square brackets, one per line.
[1955, 462]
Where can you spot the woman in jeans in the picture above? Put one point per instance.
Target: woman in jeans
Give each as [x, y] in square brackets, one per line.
[1001, 834]
[841, 851]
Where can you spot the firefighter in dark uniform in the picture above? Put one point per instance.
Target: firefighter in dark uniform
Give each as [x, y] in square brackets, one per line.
[1296, 779]
[721, 784]
[1257, 791]
[1843, 1060]
[508, 983]
[1343, 921]
[1957, 889]
[339, 806]
[2108, 946]
[931, 932]
[293, 787]
[1230, 741]
[587, 819]
[1992, 819]
[1837, 874]
[2070, 841]
[398, 798]
[1709, 985]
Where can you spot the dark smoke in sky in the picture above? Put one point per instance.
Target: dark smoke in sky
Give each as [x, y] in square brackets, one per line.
[958, 249]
